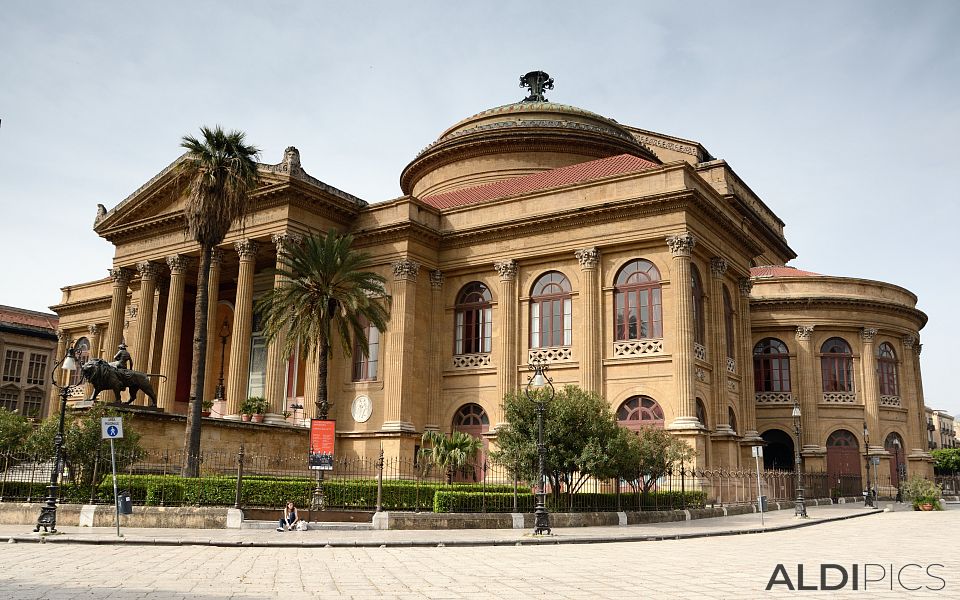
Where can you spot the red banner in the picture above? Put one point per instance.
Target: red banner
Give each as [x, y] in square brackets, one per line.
[323, 434]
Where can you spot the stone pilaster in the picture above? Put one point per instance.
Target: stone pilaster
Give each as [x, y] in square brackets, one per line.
[94, 332]
[591, 358]
[916, 415]
[681, 247]
[717, 345]
[275, 384]
[239, 377]
[213, 325]
[398, 374]
[507, 342]
[807, 388]
[747, 394]
[53, 398]
[148, 287]
[170, 359]
[435, 377]
[118, 304]
[871, 387]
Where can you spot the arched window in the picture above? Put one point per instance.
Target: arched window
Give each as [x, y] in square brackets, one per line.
[898, 463]
[474, 325]
[81, 351]
[702, 413]
[365, 367]
[470, 415]
[551, 322]
[771, 366]
[836, 365]
[842, 438]
[638, 302]
[640, 411]
[728, 323]
[887, 370]
[732, 419]
[699, 318]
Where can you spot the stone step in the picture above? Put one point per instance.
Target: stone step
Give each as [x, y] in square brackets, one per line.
[313, 525]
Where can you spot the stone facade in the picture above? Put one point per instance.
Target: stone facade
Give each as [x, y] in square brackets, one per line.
[625, 259]
[30, 343]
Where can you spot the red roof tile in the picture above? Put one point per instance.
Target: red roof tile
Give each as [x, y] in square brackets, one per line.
[30, 318]
[780, 271]
[587, 171]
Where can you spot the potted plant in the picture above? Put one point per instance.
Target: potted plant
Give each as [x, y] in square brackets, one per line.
[247, 408]
[207, 407]
[254, 406]
[922, 493]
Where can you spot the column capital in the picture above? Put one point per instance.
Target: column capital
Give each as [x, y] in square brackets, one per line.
[436, 279]
[908, 341]
[284, 240]
[919, 349]
[178, 264]
[804, 332]
[406, 270]
[148, 270]
[682, 244]
[589, 258]
[247, 249]
[120, 275]
[216, 256]
[94, 329]
[718, 267]
[746, 286]
[61, 336]
[507, 269]
[867, 334]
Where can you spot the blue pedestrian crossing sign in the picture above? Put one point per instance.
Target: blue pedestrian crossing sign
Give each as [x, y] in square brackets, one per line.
[111, 428]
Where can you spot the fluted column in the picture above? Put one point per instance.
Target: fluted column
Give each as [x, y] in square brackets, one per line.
[148, 287]
[434, 379]
[507, 342]
[213, 326]
[591, 358]
[717, 344]
[807, 388]
[681, 247]
[239, 378]
[118, 304]
[747, 394]
[871, 387]
[274, 385]
[916, 416]
[53, 399]
[400, 349]
[170, 359]
[94, 333]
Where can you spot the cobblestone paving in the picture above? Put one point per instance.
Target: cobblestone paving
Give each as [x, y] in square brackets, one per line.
[718, 567]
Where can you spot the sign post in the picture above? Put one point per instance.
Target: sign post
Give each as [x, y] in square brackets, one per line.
[323, 435]
[111, 428]
[757, 455]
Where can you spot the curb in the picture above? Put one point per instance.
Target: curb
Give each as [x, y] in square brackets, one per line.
[525, 541]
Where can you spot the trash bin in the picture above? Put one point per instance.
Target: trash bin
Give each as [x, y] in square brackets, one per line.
[762, 501]
[124, 503]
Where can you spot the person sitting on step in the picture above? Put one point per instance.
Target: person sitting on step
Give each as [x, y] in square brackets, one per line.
[290, 518]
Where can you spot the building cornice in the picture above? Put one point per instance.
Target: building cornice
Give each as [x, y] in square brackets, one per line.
[832, 301]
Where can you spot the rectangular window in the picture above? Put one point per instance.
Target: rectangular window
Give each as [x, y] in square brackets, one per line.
[37, 369]
[8, 399]
[13, 366]
[365, 367]
[32, 404]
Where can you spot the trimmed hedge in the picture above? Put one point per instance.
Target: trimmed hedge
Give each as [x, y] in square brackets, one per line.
[463, 501]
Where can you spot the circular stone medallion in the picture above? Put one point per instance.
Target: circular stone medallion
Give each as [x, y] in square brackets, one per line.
[361, 409]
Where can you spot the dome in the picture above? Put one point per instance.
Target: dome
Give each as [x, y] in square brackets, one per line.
[508, 141]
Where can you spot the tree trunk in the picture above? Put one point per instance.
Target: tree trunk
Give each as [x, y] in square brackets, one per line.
[191, 443]
[323, 403]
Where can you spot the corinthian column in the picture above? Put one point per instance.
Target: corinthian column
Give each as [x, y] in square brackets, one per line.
[718, 345]
[398, 375]
[118, 303]
[807, 388]
[681, 247]
[274, 386]
[170, 359]
[95, 331]
[239, 377]
[213, 326]
[871, 388]
[434, 379]
[148, 287]
[747, 394]
[507, 346]
[910, 398]
[591, 356]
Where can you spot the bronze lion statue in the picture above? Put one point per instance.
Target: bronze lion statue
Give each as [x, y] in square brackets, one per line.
[104, 376]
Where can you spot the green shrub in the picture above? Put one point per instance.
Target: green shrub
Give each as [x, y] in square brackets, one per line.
[475, 501]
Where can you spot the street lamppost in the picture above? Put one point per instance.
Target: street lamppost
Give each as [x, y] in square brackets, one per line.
[48, 512]
[800, 509]
[224, 334]
[537, 386]
[868, 499]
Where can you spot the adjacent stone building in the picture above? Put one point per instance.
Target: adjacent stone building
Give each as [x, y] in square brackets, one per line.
[635, 263]
[28, 340]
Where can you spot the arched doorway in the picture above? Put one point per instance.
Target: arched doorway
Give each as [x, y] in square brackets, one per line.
[779, 453]
[473, 420]
[843, 463]
[640, 411]
[898, 461]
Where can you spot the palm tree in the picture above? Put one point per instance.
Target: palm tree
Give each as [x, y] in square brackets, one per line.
[327, 289]
[449, 453]
[219, 173]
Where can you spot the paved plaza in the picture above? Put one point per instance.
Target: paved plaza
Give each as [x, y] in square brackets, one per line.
[917, 547]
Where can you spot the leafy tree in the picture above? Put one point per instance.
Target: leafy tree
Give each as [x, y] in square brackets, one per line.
[580, 433]
[946, 460]
[449, 453]
[82, 446]
[327, 289]
[647, 455]
[220, 173]
[14, 429]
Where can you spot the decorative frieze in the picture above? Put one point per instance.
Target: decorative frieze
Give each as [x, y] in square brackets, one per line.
[840, 397]
[178, 264]
[681, 245]
[718, 267]
[773, 398]
[247, 249]
[436, 279]
[732, 385]
[700, 374]
[589, 258]
[471, 361]
[507, 269]
[550, 355]
[406, 270]
[628, 348]
[889, 400]
[804, 332]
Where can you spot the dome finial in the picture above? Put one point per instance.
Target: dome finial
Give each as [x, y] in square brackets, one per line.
[536, 82]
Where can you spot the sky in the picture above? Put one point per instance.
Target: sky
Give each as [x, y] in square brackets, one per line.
[842, 116]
